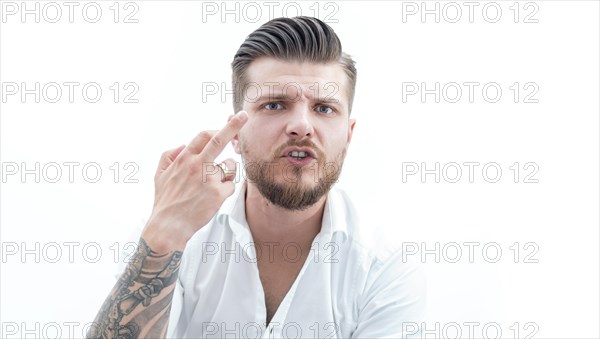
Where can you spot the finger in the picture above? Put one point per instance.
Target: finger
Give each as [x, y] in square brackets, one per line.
[229, 169]
[228, 188]
[218, 142]
[168, 157]
[199, 142]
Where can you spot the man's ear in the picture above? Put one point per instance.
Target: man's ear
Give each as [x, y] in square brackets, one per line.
[351, 124]
[235, 142]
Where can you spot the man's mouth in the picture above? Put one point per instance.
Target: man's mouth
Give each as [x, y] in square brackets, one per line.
[298, 155]
[299, 158]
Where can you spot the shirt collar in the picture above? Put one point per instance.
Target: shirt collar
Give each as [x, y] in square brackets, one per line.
[338, 214]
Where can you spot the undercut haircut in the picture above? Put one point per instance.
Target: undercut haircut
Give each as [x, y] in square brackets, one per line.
[302, 39]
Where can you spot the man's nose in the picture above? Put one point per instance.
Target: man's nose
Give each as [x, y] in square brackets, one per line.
[300, 125]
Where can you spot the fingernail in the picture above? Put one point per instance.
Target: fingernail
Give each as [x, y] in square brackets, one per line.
[242, 115]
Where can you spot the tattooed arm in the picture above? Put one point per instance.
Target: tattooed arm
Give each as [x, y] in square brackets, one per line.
[139, 304]
[188, 193]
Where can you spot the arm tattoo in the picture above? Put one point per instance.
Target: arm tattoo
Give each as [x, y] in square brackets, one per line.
[140, 302]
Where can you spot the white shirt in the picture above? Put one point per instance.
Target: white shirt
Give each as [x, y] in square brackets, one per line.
[345, 289]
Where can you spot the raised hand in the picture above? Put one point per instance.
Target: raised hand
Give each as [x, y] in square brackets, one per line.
[189, 188]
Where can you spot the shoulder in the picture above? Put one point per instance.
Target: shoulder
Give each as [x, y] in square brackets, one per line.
[389, 283]
[391, 299]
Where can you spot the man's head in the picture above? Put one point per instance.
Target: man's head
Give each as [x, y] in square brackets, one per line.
[297, 86]
[302, 39]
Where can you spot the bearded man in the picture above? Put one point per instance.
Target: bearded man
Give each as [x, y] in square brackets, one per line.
[278, 254]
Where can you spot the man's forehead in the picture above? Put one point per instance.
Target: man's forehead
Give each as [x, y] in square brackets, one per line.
[280, 77]
[265, 69]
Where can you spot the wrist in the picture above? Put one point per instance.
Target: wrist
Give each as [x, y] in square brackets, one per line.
[163, 238]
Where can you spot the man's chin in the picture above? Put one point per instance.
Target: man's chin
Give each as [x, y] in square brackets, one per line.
[291, 187]
[305, 181]
[294, 195]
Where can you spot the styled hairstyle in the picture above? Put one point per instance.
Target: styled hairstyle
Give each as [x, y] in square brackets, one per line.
[301, 38]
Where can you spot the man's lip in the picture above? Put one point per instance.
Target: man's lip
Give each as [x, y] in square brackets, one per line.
[299, 149]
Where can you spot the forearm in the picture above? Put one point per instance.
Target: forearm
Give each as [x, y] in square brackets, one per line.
[140, 302]
[186, 197]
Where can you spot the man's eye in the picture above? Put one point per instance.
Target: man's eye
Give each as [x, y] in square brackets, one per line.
[273, 106]
[324, 109]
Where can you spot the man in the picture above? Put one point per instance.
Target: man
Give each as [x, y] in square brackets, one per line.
[279, 254]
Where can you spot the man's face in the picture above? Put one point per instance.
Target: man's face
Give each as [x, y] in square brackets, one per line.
[302, 106]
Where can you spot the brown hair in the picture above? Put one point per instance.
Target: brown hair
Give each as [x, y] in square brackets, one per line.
[300, 39]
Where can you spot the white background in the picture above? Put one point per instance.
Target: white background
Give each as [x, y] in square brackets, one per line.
[175, 47]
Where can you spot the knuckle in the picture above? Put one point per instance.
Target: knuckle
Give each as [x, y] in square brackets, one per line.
[205, 136]
[195, 167]
[202, 168]
[163, 157]
[183, 156]
[217, 142]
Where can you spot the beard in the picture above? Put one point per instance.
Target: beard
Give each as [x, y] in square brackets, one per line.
[293, 193]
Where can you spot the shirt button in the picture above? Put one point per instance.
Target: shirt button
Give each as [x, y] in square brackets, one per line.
[271, 330]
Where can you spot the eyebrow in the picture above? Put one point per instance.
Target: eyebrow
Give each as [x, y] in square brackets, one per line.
[283, 97]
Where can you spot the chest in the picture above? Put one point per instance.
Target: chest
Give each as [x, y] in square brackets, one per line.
[277, 277]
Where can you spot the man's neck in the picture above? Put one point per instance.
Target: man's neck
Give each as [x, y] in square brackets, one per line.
[271, 223]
